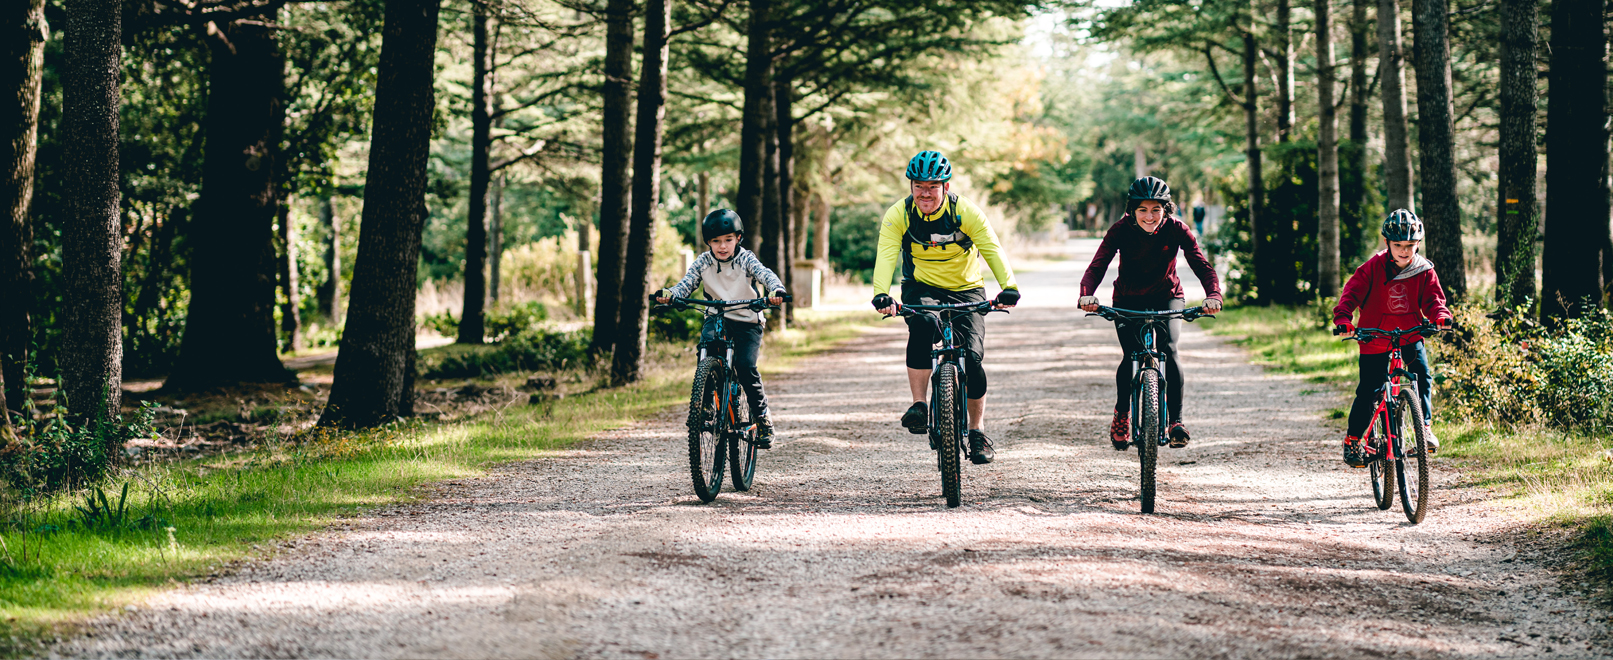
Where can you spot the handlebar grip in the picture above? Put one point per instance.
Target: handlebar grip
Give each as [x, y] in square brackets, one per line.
[789, 298]
[651, 297]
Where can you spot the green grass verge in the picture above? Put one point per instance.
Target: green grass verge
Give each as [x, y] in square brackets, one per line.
[194, 518]
[1551, 477]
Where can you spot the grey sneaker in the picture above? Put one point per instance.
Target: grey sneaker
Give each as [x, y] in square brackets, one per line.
[1429, 439]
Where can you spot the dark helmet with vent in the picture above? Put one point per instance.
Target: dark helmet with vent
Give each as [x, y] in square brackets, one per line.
[719, 223]
[1402, 225]
[929, 166]
[1149, 188]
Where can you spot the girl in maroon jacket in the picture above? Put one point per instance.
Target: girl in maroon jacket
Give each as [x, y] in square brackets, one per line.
[1148, 239]
[1395, 290]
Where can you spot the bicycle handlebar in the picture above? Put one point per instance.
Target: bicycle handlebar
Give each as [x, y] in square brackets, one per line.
[1369, 334]
[1190, 314]
[753, 303]
[982, 308]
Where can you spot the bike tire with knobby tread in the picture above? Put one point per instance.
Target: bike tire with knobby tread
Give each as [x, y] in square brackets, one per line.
[705, 403]
[1382, 471]
[1412, 469]
[946, 427]
[742, 449]
[1147, 435]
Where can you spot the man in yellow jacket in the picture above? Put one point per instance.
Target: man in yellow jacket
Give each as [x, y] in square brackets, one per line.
[939, 239]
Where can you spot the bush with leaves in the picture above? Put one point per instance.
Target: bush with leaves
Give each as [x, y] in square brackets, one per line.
[51, 453]
[1508, 369]
[529, 350]
[500, 323]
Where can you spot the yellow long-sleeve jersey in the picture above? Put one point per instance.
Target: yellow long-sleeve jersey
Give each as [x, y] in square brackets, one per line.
[950, 265]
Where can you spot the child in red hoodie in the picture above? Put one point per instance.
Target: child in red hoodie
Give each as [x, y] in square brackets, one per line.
[1395, 290]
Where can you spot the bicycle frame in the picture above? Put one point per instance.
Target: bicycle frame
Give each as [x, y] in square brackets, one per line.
[1390, 389]
[949, 352]
[1149, 358]
[728, 386]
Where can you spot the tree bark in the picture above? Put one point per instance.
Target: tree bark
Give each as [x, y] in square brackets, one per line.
[1436, 145]
[1352, 197]
[1396, 137]
[1257, 185]
[23, 69]
[230, 335]
[754, 124]
[783, 106]
[773, 251]
[471, 328]
[495, 238]
[290, 312]
[628, 360]
[1575, 117]
[374, 381]
[92, 237]
[1285, 70]
[330, 291]
[613, 193]
[1517, 218]
[704, 203]
[820, 238]
[1327, 156]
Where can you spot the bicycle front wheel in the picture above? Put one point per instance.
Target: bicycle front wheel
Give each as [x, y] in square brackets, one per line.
[706, 429]
[1383, 470]
[1412, 468]
[1148, 432]
[947, 428]
[742, 447]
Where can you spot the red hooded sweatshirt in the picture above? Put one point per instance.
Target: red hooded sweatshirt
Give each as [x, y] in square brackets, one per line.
[1392, 303]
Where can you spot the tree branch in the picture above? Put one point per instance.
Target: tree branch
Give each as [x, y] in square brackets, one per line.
[1216, 71]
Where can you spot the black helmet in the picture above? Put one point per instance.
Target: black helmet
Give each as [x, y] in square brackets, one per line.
[1403, 225]
[720, 222]
[929, 166]
[1149, 188]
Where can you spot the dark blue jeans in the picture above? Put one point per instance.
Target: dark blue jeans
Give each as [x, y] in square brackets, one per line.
[1373, 369]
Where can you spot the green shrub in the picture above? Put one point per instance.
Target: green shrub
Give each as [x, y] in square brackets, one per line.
[498, 323]
[529, 350]
[1506, 368]
[51, 454]
[676, 325]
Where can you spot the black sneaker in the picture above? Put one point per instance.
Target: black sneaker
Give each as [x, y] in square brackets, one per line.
[917, 418]
[764, 433]
[980, 450]
[1354, 452]
[1179, 436]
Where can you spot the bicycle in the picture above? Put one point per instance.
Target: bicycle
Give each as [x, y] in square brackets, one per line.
[1149, 417]
[719, 416]
[949, 392]
[1386, 441]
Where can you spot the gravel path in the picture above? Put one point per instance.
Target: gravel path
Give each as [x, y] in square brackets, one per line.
[1264, 545]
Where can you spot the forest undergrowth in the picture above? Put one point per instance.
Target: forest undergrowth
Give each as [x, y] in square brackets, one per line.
[1520, 409]
[156, 524]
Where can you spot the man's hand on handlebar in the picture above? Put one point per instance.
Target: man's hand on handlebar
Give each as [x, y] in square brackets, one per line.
[1089, 303]
[886, 305]
[1006, 299]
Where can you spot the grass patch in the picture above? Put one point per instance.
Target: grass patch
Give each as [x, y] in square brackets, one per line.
[1556, 478]
[185, 519]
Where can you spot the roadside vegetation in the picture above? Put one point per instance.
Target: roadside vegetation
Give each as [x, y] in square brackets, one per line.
[1522, 408]
[111, 541]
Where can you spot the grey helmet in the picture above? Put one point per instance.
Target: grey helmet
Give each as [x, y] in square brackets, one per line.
[1402, 225]
[721, 222]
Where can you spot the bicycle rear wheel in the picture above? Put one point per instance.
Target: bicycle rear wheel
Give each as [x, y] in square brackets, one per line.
[947, 430]
[1147, 435]
[1412, 468]
[1383, 470]
[706, 429]
[741, 445]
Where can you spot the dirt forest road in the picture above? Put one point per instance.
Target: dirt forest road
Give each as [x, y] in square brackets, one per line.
[1264, 545]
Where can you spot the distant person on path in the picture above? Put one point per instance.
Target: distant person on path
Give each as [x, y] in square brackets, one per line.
[1198, 219]
[731, 272]
[1395, 289]
[1148, 239]
[939, 239]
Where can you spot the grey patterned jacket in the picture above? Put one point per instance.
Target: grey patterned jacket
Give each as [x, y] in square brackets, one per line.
[735, 279]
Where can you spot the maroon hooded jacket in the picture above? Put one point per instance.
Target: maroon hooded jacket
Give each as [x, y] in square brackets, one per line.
[1396, 303]
[1148, 261]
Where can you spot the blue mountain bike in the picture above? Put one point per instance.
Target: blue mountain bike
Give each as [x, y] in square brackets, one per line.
[949, 392]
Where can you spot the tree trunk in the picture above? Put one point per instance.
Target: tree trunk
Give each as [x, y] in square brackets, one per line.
[1436, 145]
[1575, 117]
[784, 101]
[1257, 186]
[613, 193]
[230, 335]
[652, 92]
[1396, 138]
[800, 223]
[374, 381]
[773, 251]
[754, 124]
[1327, 156]
[290, 314]
[330, 291]
[820, 239]
[1352, 197]
[92, 238]
[704, 198]
[1516, 208]
[495, 238]
[481, 142]
[24, 67]
[1285, 70]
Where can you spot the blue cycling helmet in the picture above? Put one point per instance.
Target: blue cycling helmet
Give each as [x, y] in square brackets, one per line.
[1402, 225]
[929, 166]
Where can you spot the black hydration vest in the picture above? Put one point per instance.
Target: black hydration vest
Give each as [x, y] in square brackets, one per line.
[938, 233]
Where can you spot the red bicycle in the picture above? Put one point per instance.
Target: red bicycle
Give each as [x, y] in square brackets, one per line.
[1394, 457]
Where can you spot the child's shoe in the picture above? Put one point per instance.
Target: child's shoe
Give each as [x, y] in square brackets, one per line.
[764, 432]
[1429, 439]
[1120, 431]
[1355, 454]
[1179, 436]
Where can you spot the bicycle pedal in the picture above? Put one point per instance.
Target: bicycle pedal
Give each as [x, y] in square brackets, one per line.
[918, 430]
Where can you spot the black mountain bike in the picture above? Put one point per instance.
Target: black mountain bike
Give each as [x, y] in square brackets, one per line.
[1148, 387]
[949, 391]
[719, 416]
[1397, 456]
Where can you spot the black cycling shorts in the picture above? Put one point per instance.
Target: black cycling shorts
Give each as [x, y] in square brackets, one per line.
[968, 331]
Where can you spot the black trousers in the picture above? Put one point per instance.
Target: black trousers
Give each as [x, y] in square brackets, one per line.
[747, 344]
[1163, 342]
[968, 331]
[1373, 368]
